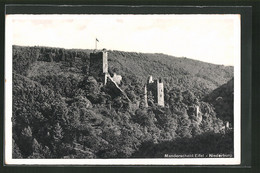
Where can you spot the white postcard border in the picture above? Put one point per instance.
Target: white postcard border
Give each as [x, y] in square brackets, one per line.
[154, 161]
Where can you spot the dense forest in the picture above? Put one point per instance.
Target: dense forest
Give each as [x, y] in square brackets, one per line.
[60, 111]
[222, 99]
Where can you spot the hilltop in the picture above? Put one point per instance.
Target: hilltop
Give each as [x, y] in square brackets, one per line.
[199, 77]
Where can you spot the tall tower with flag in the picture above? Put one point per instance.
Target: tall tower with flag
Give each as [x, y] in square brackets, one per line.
[98, 66]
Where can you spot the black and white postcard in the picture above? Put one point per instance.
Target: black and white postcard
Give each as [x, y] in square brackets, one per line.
[129, 89]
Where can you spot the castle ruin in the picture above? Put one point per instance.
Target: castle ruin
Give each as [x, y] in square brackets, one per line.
[98, 67]
[117, 78]
[157, 89]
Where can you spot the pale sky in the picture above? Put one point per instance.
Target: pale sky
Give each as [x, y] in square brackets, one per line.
[209, 38]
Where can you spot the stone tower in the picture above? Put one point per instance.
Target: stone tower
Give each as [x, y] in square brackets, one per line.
[197, 111]
[98, 66]
[157, 90]
[145, 96]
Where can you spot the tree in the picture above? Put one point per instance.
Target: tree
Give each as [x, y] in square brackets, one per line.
[26, 141]
[16, 153]
[92, 89]
[184, 124]
[57, 133]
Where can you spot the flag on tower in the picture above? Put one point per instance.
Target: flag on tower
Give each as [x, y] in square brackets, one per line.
[97, 40]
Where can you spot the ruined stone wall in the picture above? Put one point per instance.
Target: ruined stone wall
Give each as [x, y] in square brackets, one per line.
[117, 78]
[157, 89]
[98, 66]
[152, 87]
[145, 96]
[160, 93]
[105, 64]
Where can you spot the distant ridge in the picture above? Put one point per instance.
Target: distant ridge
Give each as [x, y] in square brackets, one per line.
[222, 99]
[200, 77]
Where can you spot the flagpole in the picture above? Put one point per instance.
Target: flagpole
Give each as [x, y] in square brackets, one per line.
[96, 43]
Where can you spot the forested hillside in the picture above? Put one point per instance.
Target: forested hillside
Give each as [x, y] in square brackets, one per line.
[59, 111]
[222, 99]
